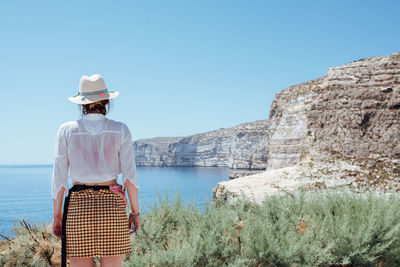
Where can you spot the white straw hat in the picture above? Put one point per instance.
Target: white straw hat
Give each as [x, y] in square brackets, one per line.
[92, 89]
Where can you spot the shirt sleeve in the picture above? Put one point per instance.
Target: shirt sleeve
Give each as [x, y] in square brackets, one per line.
[127, 158]
[61, 164]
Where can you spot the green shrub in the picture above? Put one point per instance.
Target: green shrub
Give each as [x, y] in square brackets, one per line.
[332, 229]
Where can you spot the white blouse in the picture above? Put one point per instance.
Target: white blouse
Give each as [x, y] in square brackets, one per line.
[93, 149]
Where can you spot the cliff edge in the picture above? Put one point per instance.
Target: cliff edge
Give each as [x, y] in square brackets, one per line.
[341, 130]
[241, 147]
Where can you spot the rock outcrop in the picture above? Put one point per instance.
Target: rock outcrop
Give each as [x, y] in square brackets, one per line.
[350, 117]
[241, 147]
[240, 173]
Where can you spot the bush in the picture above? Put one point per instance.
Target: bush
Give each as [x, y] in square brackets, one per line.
[331, 229]
[33, 245]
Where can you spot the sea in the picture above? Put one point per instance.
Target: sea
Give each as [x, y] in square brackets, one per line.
[25, 190]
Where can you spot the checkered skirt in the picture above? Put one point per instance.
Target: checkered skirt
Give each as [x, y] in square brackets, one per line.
[96, 224]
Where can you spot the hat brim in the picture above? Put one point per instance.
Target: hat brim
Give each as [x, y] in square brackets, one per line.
[92, 98]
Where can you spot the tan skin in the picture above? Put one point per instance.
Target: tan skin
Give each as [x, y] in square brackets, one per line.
[114, 261]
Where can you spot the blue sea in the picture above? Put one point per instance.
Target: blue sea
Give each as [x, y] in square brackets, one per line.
[25, 190]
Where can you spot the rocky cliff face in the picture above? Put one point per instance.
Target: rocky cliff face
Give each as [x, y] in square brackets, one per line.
[243, 146]
[351, 116]
[288, 125]
[356, 111]
[353, 111]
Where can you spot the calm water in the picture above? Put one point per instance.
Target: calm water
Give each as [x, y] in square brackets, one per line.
[25, 190]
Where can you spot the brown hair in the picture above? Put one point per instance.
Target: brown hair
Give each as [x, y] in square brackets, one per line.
[96, 107]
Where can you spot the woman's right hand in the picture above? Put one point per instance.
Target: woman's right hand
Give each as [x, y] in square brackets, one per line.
[134, 223]
[57, 227]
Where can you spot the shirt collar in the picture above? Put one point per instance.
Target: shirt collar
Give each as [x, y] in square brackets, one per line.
[93, 116]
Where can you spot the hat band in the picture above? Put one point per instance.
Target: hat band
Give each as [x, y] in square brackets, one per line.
[93, 93]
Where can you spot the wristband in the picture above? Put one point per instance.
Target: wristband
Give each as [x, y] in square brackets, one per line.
[134, 215]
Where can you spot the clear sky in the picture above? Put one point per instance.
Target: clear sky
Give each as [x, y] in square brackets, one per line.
[181, 67]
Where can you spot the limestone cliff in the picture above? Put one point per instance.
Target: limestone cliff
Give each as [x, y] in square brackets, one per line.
[243, 147]
[341, 129]
[353, 111]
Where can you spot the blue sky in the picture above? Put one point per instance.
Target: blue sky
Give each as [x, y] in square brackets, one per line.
[181, 67]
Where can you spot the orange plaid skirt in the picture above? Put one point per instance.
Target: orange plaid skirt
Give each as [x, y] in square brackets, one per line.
[96, 223]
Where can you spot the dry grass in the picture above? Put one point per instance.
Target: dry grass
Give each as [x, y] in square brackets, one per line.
[31, 241]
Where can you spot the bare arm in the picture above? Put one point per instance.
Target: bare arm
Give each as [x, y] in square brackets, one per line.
[57, 204]
[133, 199]
[58, 213]
[133, 195]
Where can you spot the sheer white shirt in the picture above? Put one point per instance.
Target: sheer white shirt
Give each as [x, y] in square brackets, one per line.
[92, 149]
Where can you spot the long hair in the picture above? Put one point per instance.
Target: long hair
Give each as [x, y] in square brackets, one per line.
[102, 106]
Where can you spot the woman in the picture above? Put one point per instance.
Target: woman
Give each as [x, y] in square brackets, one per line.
[92, 152]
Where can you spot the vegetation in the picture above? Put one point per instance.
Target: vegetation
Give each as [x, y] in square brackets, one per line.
[331, 229]
[33, 245]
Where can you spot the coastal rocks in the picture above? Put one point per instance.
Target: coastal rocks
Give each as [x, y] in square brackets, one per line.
[241, 147]
[350, 117]
[154, 151]
[289, 124]
[315, 172]
[357, 111]
[353, 111]
[240, 173]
